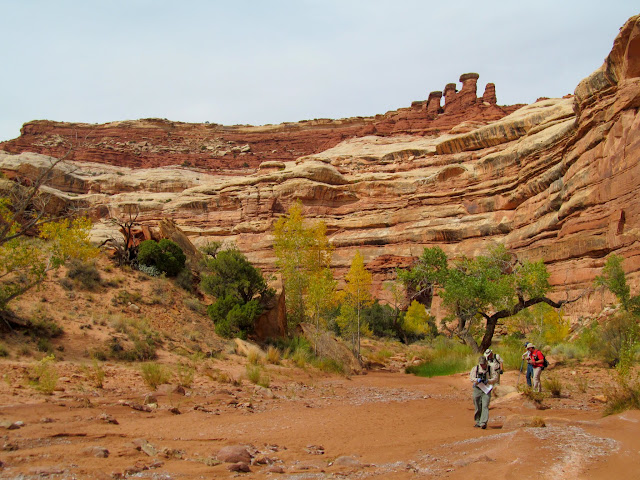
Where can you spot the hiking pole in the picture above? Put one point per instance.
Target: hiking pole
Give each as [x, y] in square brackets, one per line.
[519, 372]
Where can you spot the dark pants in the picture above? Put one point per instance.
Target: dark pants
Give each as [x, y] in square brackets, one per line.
[529, 373]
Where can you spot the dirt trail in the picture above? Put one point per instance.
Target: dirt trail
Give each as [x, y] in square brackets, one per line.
[307, 426]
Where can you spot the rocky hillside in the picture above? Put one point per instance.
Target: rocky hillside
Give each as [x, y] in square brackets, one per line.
[556, 180]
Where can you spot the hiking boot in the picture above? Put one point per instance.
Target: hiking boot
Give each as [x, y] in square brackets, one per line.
[483, 426]
[477, 425]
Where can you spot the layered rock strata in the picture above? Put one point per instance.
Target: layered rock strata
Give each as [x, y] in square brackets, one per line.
[556, 180]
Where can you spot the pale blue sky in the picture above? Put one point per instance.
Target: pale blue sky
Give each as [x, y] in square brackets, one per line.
[257, 62]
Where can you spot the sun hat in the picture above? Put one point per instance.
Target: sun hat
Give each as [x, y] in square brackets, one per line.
[482, 360]
[530, 345]
[488, 351]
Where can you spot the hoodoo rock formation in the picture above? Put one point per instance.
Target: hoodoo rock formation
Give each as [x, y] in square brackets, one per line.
[556, 180]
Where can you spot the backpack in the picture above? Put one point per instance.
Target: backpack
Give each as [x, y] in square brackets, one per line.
[545, 362]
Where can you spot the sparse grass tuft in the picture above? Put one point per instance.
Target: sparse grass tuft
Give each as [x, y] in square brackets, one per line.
[95, 373]
[273, 355]
[154, 374]
[537, 422]
[254, 357]
[3, 351]
[554, 385]
[185, 374]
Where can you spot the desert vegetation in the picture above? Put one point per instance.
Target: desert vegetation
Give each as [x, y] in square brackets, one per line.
[173, 323]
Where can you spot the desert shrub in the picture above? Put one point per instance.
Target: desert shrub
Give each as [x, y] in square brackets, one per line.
[124, 297]
[195, 305]
[154, 374]
[232, 318]
[273, 355]
[620, 335]
[165, 255]
[553, 385]
[44, 375]
[145, 340]
[186, 280]
[84, 274]
[143, 350]
[150, 270]
[3, 351]
[185, 374]
[66, 283]
[94, 373]
[43, 326]
[536, 397]
[569, 351]
[44, 345]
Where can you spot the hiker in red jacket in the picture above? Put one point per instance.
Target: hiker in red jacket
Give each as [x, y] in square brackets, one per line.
[536, 360]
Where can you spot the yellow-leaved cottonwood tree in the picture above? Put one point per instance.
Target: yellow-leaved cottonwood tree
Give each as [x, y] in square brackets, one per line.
[303, 257]
[357, 296]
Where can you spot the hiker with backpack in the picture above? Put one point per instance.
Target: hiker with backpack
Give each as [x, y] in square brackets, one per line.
[482, 378]
[525, 357]
[538, 362]
[495, 361]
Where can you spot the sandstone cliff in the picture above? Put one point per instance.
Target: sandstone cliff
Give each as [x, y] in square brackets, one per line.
[557, 179]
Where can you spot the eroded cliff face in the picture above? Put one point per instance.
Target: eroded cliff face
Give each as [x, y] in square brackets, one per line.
[556, 180]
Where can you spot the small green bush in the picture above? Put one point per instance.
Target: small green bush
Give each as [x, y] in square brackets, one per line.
[165, 255]
[3, 351]
[154, 374]
[44, 327]
[44, 375]
[44, 345]
[84, 274]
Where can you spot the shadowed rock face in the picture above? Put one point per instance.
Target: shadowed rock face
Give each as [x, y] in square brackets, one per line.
[556, 180]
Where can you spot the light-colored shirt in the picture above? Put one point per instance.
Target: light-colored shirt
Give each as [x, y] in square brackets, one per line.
[477, 371]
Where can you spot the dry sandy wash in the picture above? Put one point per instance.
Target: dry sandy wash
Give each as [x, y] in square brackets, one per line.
[308, 425]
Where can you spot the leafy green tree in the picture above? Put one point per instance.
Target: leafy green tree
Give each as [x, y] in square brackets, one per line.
[239, 289]
[614, 279]
[620, 334]
[232, 318]
[488, 287]
[357, 296]
[229, 273]
[302, 253]
[165, 255]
